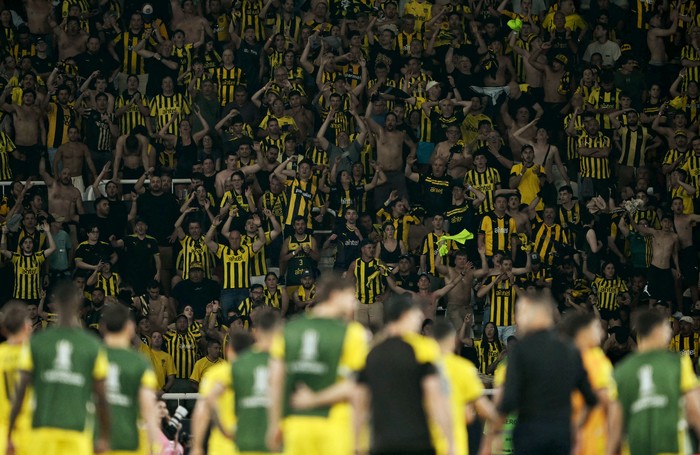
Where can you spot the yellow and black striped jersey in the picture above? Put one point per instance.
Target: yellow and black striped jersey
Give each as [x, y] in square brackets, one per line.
[227, 79]
[594, 167]
[124, 45]
[183, 348]
[601, 99]
[163, 107]
[487, 182]
[6, 149]
[497, 231]
[132, 116]
[27, 274]
[633, 143]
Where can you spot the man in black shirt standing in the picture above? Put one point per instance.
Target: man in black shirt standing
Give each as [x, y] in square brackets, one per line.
[542, 372]
[159, 209]
[141, 257]
[401, 386]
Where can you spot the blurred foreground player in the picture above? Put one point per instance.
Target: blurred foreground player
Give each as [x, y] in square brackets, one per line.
[67, 368]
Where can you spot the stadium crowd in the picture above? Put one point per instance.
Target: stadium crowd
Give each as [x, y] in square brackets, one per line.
[205, 163]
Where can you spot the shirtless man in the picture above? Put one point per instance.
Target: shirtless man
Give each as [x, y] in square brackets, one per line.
[656, 35]
[30, 132]
[453, 152]
[429, 299]
[521, 120]
[72, 40]
[522, 218]
[533, 76]
[554, 96]
[133, 150]
[683, 226]
[64, 199]
[72, 155]
[460, 296]
[185, 18]
[38, 12]
[664, 247]
[390, 143]
[505, 72]
[678, 128]
[303, 117]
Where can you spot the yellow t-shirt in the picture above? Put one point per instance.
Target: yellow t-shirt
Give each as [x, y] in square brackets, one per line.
[529, 185]
[594, 433]
[9, 377]
[201, 367]
[465, 387]
[162, 362]
[220, 374]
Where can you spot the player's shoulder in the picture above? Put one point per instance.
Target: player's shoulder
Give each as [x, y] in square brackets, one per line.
[426, 350]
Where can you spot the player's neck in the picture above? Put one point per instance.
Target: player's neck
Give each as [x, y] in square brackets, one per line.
[117, 340]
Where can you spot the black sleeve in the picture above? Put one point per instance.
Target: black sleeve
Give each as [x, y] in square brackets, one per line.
[582, 383]
[511, 387]
[427, 369]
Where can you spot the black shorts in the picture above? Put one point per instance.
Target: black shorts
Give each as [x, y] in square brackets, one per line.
[660, 284]
[689, 264]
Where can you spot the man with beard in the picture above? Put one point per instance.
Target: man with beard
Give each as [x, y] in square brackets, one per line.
[196, 290]
[255, 300]
[94, 312]
[103, 219]
[348, 239]
[436, 186]
[64, 198]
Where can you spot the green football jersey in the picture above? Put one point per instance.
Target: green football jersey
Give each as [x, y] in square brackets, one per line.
[649, 389]
[251, 393]
[64, 363]
[127, 371]
[313, 348]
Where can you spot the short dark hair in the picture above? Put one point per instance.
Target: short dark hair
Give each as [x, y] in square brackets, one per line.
[574, 323]
[443, 329]
[396, 306]
[14, 317]
[239, 339]
[647, 321]
[331, 283]
[115, 317]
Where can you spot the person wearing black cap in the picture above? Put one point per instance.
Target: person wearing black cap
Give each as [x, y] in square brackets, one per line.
[635, 141]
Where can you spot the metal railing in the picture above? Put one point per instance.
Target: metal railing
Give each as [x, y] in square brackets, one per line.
[6, 184]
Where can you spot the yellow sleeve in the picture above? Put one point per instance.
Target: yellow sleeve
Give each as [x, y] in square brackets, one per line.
[515, 170]
[600, 370]
[218, 374]
[426, 349]
[170, 366]
[196, 374]
[149, 380]
[468, 381]
[499, 376]
[688, 379]
[99, 371]
[513, 227]
[354, 350]
[277, 348]
[24, 362]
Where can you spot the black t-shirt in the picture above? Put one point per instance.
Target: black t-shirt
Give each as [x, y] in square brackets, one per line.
[248, 60]
[524, 100]
[391, 58]
[348, 247]
[138, 254]
[198, 295]
[437, 193]
[160, 213]
[408, 282]
[108, 226]
[157, 71]
[440, 124]
[394, 376]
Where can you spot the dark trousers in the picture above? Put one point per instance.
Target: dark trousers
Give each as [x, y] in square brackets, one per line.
[542, 438]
